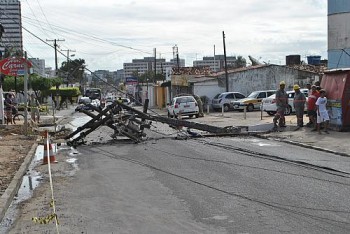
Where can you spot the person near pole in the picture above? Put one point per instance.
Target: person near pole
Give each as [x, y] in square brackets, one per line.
[281, 104]
[299, 105]
[9, 105]
[322, 113]
[34, 106]
[311, 107]
[200, 105]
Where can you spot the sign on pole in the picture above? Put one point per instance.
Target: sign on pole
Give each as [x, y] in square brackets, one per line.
[13, 66]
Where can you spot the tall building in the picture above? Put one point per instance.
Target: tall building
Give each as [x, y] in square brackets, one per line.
[141, 66]
[38, 66]
[10, 19]
[216, 63]
[338, 34]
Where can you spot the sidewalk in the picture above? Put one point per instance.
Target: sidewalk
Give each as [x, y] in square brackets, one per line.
[335, 142]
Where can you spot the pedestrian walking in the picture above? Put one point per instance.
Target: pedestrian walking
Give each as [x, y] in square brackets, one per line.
[281, 104]
[322, 113]
[34, 106]
[299, 105]
[311, 107]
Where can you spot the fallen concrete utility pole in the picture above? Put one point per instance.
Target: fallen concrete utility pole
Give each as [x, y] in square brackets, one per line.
[131, 123]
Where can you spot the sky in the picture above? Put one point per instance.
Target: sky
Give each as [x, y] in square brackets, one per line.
[108, 33]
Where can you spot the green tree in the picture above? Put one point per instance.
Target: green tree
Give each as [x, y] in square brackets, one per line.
[35, 82]
[72, 70]
[13, 83]
[240, 62]
[151, 77]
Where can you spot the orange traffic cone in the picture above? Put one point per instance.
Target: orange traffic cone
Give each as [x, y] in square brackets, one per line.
[48, 152]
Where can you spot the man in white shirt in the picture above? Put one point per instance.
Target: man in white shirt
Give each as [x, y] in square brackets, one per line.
[322, 113]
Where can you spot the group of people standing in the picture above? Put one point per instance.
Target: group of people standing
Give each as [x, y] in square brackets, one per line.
[10, 107]
[316, 107]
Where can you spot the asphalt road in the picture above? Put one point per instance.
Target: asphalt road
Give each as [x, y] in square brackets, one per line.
[204, 185]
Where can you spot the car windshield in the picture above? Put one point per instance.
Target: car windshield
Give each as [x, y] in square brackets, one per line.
[253, 94]
[185, 99]
[217, 96]
[222, 95]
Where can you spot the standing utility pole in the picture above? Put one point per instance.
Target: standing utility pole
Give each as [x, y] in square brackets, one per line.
[226, 75]
[155, 64]
[68, 63]
[176, 56]
[25, 89]
[214, 60]
[55, 46]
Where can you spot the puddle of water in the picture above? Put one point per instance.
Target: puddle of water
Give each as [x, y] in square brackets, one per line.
[30, 181]
[71, 160]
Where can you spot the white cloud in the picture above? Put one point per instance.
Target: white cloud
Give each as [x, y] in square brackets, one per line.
[98, 30]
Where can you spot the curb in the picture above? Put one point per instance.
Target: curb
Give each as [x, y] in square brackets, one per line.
[7, 198]
[305, 145]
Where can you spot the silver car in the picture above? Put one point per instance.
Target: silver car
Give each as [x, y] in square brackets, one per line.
[225, 99]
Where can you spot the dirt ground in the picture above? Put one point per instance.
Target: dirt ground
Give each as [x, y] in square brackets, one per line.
[14, 146]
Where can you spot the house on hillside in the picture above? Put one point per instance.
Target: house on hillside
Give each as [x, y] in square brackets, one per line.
[249, 79]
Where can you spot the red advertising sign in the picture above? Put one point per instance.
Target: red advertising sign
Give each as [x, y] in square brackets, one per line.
[13, 66]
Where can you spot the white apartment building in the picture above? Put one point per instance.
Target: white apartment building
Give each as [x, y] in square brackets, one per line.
[141, 66]
[38, 66]
[49, 72]
[10, 19]
[216, 63]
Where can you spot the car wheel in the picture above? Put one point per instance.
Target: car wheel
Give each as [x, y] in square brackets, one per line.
[250, 107]
[197, 115]
[226, 108]
[271, 113]
[288, 110]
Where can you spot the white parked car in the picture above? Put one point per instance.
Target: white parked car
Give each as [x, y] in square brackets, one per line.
[186, 105]
[96, 103]
[269, 103]
[84, 100]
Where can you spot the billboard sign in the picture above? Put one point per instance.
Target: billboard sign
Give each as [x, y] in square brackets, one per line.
[131, 80]
[13, 66]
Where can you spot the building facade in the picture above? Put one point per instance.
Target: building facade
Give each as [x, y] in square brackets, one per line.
[338, 34]
[216, 63]
[249, 79]
[11, 21]
[38, 66]
[141, 66]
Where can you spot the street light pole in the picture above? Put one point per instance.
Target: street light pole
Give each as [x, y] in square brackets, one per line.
[67, 65]
[147, 89]
[226, 75]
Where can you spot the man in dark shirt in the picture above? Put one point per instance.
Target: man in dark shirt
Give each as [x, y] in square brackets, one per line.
[281, 104]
